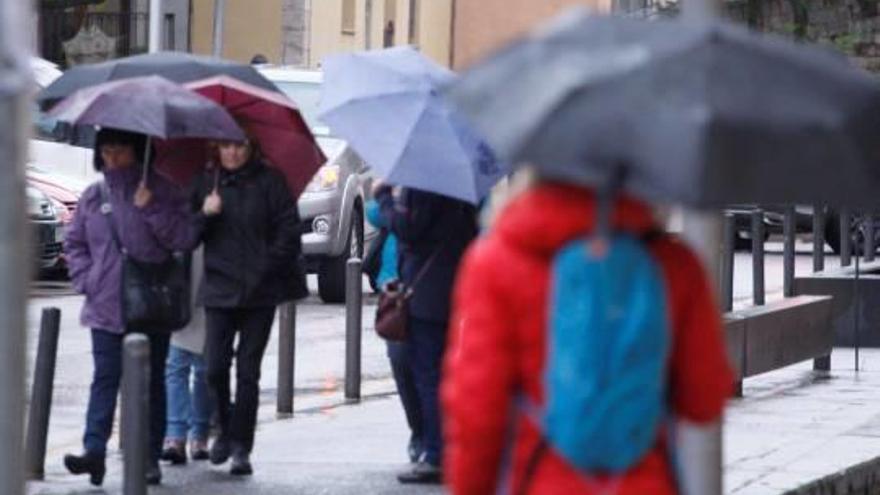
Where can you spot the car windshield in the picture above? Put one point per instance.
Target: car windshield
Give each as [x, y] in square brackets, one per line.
[307, 96]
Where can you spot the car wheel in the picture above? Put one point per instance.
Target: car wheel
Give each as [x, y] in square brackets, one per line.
[832, 234]
[331, 273]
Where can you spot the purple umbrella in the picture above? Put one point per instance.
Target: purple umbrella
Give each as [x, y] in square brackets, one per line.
[149, 105]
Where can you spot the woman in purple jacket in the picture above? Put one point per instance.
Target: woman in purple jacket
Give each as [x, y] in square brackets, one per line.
[152, 219]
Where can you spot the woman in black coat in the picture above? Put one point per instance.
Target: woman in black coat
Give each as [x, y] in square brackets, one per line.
[249, 224]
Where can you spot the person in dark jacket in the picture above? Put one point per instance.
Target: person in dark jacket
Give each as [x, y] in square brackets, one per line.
[249, 224]
[151, 219]
[433, 232]
[398, 355]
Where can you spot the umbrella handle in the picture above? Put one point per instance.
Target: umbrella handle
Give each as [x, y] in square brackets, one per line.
[146, 167]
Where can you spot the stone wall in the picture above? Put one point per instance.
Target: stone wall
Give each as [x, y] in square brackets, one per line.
[850, 26]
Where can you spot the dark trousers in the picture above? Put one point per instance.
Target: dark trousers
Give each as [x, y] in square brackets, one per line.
[253, 326]
[427, 342]
[404, 379]
[107, 355]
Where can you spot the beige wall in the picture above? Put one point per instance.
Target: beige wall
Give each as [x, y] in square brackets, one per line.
[435, 30]
[326, 36]
[326, 30]
[482, 26]
[249, 27]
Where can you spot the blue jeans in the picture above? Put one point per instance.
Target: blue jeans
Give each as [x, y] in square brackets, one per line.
[426, 344]
[189, 409]
[107, 355]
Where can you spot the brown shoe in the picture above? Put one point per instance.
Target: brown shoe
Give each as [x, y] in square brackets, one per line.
[198, 450]
[174, 451]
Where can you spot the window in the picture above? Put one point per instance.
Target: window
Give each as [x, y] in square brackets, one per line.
[169, 33]
[413, 22]
[348, 16]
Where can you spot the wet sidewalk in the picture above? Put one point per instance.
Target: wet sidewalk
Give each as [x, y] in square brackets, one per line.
[795, 431]
[804, 432]
[344, 449]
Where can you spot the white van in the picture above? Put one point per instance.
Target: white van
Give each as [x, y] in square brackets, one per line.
[45, 151]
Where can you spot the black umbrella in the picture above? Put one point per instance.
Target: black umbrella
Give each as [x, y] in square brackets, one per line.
[174, 66]
[705, 114]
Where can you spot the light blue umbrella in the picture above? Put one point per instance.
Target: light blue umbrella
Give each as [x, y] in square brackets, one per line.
[386, 104]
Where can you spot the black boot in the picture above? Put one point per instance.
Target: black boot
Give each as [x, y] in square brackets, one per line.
[241, 462]
[154, 474]
[422, 473]
[220, 450]
[87, 463]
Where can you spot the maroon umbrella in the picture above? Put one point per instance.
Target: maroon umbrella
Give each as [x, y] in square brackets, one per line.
[269, 118]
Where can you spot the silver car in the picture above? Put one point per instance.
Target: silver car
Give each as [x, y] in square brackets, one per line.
[332, 206]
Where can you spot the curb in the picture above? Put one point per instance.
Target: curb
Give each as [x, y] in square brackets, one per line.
[860, 479]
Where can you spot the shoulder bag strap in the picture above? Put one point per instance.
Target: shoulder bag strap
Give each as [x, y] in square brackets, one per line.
[424, 269]
[107, 212]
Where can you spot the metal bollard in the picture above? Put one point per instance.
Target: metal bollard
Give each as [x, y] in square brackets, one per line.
[41, 394]
[135, 413]
[818, 238]
[758, 257]
[822, 363]
[845, 237]
[353, 295]
[727, 256]
[788, 252]
[286, 357]
[870, 245]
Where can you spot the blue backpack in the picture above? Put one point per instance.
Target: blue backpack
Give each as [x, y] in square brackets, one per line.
[609, 341]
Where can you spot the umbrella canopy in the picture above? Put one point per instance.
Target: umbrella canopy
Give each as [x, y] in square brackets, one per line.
[706, 114]
[386, 105]
[149, 105]
[270, 118]
[174, 66]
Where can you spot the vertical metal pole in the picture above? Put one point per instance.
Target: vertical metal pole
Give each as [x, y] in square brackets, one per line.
[845, 237]
[353, 294]
[41, 393]
[857, 314]
[15, 85]
[368, 24]
[699, 446]
[219, 13]
[822, 363]
[135, 413]
[155, 35]
[788, 252]
[727, 258]
[286, 357]
[870, 245]
[758, 257]
[818, 238]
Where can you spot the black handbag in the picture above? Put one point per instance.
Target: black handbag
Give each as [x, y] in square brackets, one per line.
[155, 296]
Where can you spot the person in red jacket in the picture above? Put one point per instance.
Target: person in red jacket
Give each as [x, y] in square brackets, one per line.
[498, 338]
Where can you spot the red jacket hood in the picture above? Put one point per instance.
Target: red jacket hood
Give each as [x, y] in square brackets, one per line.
[547, 216]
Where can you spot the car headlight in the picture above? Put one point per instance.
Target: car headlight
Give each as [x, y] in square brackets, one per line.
[327, 179]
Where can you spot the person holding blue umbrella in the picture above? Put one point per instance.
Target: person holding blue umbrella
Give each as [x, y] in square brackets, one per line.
[387, 105]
